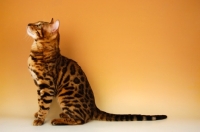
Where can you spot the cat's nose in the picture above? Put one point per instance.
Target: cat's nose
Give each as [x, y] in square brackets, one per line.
[30, 24]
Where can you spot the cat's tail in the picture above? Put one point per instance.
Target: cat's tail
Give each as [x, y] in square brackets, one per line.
[104, 116]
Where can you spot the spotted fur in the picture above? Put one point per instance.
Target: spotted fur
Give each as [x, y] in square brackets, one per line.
[58, 76]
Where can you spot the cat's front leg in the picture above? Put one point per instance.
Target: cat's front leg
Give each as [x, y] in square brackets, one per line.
[45, 97]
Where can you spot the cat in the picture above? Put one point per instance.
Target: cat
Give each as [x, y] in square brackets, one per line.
[58, 76]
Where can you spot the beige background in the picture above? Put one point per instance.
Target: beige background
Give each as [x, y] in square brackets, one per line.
[141, 56]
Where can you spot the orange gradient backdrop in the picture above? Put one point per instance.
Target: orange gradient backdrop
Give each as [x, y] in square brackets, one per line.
[140, 56]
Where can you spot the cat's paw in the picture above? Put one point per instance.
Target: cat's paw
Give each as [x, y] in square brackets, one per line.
[36, 115]
[38, 122]
[57, 122]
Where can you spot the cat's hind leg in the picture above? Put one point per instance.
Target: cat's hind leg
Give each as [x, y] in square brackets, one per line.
[67, 121]
[63, 115]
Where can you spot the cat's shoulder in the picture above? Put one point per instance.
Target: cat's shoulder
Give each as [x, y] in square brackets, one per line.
[69, 62]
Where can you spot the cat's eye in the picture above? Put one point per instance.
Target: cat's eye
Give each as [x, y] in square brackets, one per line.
[38, 26]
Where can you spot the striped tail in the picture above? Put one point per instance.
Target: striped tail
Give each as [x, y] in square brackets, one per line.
[104, 116]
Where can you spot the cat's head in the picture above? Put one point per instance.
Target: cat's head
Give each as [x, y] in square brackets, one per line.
[43, 30]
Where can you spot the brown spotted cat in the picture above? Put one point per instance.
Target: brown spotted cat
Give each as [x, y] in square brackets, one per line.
[58, 76]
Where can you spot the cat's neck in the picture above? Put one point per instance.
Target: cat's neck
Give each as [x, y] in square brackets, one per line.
[47, 51]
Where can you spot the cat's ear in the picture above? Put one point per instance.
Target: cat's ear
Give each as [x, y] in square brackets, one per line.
[55, 26]
[51, 21]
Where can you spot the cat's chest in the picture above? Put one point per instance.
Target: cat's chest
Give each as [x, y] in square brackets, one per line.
[39, 69]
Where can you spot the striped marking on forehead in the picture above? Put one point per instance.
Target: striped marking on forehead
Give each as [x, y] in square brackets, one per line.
[39, 30]
[41, 23]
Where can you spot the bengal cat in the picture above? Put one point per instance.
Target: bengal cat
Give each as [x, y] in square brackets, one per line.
[58, 76]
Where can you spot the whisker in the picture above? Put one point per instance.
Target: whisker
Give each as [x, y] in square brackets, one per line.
[26, 37]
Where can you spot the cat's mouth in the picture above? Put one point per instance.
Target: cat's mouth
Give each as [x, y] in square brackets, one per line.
[29, 30]
[30, 33]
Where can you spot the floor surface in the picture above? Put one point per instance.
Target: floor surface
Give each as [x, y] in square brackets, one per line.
[17, 124]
